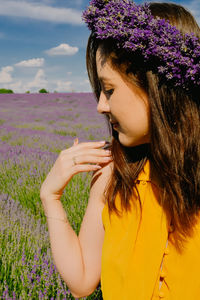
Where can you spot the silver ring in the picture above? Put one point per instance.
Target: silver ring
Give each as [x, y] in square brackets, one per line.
[74, 160]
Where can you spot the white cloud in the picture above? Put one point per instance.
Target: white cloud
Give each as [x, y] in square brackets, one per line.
[34, 85]
[84, 82]
[38, 82]
[40, 11]
[5, 74]
[34, 62]
[62, 49]
[63, 86]
[16, 87]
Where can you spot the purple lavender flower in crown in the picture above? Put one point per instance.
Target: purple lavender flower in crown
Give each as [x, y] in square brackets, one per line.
[163, 48]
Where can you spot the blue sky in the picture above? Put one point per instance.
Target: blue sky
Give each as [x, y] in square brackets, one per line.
[43, 44]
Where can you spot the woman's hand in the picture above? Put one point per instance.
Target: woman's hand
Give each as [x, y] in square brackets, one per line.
[83, 157]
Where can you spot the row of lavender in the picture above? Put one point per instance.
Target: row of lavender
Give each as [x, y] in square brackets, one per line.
[33, 130]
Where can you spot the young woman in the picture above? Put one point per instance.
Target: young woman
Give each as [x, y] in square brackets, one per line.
[141, 231]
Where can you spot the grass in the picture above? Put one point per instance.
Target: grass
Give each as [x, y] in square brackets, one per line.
[30, 126]
[2, 122]
[65, 132]
[6, 137]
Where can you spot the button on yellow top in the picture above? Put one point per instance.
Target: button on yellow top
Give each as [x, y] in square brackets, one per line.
[143, 182]
[162, 274]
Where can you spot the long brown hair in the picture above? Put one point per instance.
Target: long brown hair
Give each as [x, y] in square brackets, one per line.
[174, 149]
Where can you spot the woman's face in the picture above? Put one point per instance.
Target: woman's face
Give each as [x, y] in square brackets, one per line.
[124, 103]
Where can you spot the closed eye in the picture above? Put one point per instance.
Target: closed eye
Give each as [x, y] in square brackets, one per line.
[108, 92]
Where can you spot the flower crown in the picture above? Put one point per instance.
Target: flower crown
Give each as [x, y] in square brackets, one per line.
[164, 49]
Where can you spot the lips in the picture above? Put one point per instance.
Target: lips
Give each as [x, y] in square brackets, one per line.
[113, 122]
[115, 125]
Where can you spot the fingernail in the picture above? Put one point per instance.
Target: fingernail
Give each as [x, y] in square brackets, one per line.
[108, 152]
[108, 158]
[98, 167]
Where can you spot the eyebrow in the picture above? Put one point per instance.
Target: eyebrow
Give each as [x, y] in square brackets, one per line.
[103, 78]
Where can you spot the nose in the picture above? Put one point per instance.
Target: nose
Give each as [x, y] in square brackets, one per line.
[103, 105]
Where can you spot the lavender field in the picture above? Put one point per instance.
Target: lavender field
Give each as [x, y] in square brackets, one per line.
[34, 128]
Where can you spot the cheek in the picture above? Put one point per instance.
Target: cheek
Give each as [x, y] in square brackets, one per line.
[139, 114]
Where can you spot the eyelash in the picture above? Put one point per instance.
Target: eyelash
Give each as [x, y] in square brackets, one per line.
[109, 92]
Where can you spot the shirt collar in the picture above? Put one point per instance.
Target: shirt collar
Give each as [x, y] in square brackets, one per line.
[148, 174]
[144, 175]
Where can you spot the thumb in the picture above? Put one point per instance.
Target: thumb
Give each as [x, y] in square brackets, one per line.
[75, 142]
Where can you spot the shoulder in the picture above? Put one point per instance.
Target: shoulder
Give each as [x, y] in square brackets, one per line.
[101, 178]
[104, 173]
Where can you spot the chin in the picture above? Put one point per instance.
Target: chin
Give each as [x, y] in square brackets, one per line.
[126, 142]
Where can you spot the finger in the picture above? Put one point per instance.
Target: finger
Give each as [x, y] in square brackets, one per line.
[86, 168]
[85, 159]
[75, 142]
[107, 145]
[88, 145]
[94, 152]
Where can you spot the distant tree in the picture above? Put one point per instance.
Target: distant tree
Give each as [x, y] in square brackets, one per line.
[43, 91]
[6, 91]
[27, 92]
[55, 91]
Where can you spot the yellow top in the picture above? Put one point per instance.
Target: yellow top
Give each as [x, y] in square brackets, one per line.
[138, 261]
